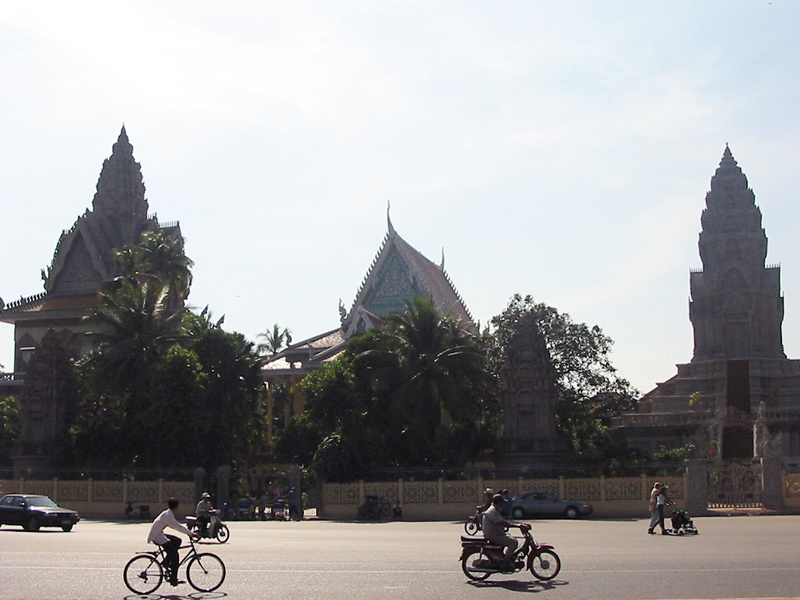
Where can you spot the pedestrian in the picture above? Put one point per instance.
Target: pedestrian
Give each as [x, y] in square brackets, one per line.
[661, 504]
[654, 507]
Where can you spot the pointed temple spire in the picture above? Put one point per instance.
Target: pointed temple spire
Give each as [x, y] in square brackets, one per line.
[120, 188]
[389, 218]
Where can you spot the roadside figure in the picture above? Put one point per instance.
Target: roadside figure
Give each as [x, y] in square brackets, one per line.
[653, 507]
[661, 504]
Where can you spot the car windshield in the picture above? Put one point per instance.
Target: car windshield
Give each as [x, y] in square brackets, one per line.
[40, 501]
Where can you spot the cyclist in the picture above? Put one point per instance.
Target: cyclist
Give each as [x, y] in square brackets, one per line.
[169, 543]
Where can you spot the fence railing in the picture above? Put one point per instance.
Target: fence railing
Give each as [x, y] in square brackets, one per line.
[91, 491]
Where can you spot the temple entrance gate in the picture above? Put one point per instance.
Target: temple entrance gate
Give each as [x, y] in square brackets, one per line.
[735, 484]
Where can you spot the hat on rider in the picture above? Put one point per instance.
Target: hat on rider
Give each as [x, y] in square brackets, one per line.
[205, 495]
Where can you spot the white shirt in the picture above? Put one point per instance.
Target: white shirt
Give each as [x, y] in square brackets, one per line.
[164, 520]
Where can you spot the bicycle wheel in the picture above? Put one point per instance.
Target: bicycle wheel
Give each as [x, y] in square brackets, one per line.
[545, 564]
[143, 574]
[205, 572]
[223, 534]
[471, 560]
[471, 527]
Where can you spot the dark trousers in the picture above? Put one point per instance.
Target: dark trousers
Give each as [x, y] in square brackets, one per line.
[171, 562]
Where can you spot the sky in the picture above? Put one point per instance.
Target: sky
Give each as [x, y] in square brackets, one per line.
[557, 149]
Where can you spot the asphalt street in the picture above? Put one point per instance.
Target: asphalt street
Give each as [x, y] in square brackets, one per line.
[732, 557]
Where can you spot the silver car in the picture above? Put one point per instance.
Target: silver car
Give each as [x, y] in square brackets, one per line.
[546, 504]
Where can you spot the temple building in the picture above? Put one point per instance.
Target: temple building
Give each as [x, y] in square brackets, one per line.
[51, 321]
[397, 274]
[84, 259]
[739, 396]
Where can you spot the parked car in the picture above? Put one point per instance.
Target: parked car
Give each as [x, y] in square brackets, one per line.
[545, 504]
[33, 512]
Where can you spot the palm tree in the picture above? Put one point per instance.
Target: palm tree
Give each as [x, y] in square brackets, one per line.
[160, 257]
[134, 326]
[274, 340]
[440, 364]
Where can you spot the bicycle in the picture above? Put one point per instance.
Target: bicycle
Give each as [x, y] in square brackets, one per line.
[145, 572]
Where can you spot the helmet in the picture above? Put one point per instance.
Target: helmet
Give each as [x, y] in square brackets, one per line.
[205, 495]
[488, 491]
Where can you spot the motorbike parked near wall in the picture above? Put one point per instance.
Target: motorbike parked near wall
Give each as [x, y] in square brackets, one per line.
[216, 528]
[140, 512]
[480, 558]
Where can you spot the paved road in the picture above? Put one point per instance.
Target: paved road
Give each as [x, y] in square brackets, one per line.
[732, 557]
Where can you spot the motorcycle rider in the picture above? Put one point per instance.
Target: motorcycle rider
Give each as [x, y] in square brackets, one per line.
[494, 529]
[203, 513]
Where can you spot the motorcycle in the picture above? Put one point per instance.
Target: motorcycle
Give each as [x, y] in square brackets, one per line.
[216, 529]
[140, 512]
[474, 523]
[480, 558]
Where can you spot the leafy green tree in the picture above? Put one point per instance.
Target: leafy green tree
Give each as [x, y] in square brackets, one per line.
[414, 393]
[589, 389]
[234, 397]
[9, 427]
[175, 424]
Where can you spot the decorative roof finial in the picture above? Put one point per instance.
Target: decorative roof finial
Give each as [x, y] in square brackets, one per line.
[389, 218]
[442, 267]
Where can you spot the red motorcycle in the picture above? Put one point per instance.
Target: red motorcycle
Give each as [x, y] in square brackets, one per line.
[480, 558]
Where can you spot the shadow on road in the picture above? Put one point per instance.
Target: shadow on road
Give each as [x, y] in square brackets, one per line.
[192, 596]
[519, 586]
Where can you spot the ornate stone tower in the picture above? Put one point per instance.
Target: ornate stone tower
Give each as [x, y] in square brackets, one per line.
[529, 396]
[84, 258]
[736, 306]
[739, 379]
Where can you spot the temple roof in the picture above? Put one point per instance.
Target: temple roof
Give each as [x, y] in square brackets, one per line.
[398, 273]
[84, 255]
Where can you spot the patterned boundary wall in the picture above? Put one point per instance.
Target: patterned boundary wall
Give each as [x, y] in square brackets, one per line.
[454, 499]
[791, 490]
[104, 498]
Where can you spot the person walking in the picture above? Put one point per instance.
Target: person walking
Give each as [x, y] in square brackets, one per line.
[654, 507]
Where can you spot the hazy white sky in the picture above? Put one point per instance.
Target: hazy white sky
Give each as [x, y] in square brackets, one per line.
[559, 149]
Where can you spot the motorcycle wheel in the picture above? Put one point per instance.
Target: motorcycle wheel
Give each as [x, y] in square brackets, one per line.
[545, 565]
[223, 534]
[466, 563]
[471, 527]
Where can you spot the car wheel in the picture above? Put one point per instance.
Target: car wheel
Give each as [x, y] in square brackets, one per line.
[33, 524]
[67, 526]
[571, 512]
[518, 513]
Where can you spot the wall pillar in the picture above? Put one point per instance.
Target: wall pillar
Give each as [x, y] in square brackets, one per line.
[772, 482]
[697, 488]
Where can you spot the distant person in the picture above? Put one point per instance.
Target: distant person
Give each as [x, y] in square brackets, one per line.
[169, 543]
[508, 503]
[661, 504]
[203, 513]
[653, 507]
